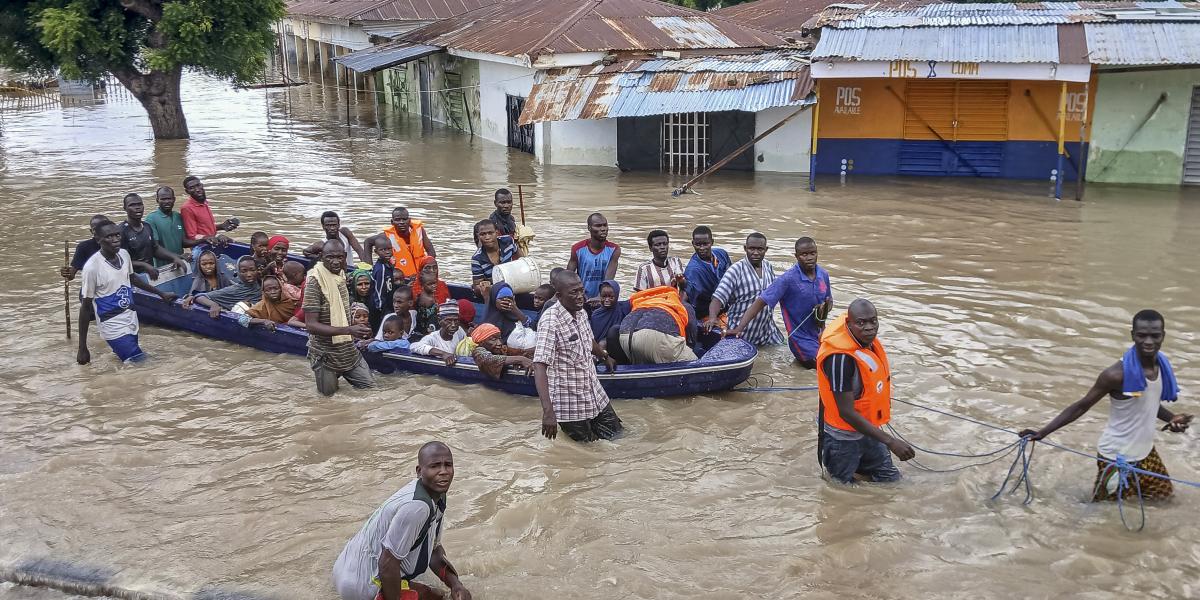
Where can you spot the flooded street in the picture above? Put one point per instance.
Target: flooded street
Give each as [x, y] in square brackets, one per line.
[218, 466]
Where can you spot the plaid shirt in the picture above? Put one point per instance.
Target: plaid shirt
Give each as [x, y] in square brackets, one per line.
[564, 345]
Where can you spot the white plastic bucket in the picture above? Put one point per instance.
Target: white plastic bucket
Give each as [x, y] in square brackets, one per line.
[522, 275]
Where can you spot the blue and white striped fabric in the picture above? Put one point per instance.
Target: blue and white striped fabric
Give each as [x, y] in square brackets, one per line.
[738, 289]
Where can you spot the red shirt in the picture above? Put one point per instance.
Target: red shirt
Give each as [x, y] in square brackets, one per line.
[198, 219]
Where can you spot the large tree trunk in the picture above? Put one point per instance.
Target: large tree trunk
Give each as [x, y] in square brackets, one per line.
[158, 91]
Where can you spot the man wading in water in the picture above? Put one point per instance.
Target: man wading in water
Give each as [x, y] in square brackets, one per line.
[403, 538]
[331, 350]
[855, 383]
[1136, 385]
[571, 394]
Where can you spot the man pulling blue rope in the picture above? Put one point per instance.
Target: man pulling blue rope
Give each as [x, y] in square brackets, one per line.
[1137, 385]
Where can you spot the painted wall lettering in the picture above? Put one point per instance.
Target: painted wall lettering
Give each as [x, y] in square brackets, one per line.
[969, 69]
[902, 69]
[1077, 103]
[848, 101]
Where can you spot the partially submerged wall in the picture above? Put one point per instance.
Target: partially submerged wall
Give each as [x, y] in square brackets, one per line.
[1126, 146]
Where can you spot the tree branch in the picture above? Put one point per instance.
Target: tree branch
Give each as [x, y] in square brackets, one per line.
[150, 9]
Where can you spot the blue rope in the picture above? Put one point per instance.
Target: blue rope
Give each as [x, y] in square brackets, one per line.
[811, 388]
[1124, 472]
[1024, 457]
[1128, 467]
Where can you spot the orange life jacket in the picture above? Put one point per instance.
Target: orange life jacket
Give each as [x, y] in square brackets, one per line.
[875, 404]
[406, 251]
[664, 297]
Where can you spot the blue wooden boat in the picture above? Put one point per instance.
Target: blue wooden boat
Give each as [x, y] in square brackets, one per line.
[724, 365]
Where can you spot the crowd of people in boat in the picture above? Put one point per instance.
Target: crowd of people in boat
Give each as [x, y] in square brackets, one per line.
[393, 299]
[395, 289]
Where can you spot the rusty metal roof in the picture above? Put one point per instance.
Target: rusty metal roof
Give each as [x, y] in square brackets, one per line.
[533, 27]
[385, 10]
[792, 17]
[987, 14]
[655, 87]
[421, 10]
[1143, 43]
[331, 9]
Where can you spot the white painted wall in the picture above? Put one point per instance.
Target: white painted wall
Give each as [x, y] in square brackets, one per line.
[786, 150]
[583, 142]
[496, 82]
[352, 37]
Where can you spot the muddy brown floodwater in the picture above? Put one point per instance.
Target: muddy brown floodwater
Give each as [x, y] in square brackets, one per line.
[214, 465]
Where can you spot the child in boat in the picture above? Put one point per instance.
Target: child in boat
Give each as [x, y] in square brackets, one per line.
[360, 315]
[209, 278]
[293, 287]
[393, 335]
[542, 297]
[382, 281]
[427, 319]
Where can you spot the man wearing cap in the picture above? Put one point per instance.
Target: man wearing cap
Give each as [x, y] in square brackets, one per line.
[441, 343]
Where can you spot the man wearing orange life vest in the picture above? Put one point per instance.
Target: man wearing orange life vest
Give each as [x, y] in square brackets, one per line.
[658, 328]
[409, 243]
[855, 384]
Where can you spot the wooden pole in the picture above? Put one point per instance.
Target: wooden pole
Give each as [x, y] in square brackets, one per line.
[67, 286]
[734, 154]
[521, 197]
[1062, 139]
[812, 153]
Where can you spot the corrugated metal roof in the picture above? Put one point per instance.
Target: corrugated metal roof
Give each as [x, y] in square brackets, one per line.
[421, 10]
[384, 56]
[970, 14]
[532, 27]
[385, 10]
[1006, 43]
[1143, 43]
[658, 87]
[331, 9]
[792, 16]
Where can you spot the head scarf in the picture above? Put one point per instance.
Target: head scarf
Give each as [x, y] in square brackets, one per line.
[497, 317]
[275, 240]
[447, 310]
[279, 312]
[424, 260]
[466, 311]
[484, 332]
[603, 319]
[353, 280]
[223, 278]
[357, 306]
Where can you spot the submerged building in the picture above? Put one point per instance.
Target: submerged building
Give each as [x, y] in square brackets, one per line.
[633, 84]
[1034, 91]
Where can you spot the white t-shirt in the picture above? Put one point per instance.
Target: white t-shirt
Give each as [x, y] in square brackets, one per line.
[412, 324]
[434, 340]
[396, 525]
[1132, 423]
[111, 294]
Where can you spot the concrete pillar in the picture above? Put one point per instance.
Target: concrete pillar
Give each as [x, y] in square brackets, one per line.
[301, 50]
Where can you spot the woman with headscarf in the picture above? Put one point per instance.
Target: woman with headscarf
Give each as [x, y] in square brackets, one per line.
[360, 282]
[610, 312]
[275, 308]
[492, 355]
[277, 247]
[429, 264]
[516, 328]
[208, 274]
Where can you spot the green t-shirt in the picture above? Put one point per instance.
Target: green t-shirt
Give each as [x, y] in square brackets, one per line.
[168, 232]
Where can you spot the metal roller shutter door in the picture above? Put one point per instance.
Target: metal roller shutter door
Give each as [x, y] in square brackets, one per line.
[1191, 150]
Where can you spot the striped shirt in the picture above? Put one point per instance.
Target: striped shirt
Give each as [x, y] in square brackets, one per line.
[564, 345]
[738, 289]
[338, 357]
[481, 263]
[650, 275]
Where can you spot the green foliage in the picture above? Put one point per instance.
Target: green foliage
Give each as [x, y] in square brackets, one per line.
[86, 38]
